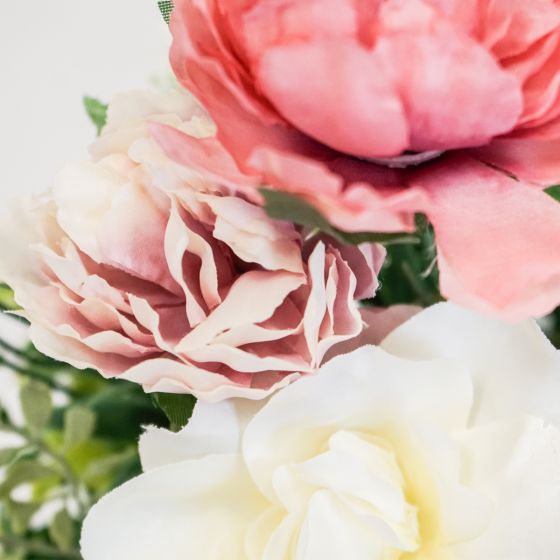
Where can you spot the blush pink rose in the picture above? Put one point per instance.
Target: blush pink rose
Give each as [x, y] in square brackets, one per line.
[374, 110]
[143, 269]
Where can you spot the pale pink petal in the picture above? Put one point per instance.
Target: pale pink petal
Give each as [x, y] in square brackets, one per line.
[253, 298]
[177, 241]
[252, 237]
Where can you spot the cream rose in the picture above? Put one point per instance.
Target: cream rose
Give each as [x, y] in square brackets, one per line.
[143, 269]
[443, 444]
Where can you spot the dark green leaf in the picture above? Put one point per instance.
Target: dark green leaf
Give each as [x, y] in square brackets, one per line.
[554, 192]
[177, 408]
[36, 403]
[97, 112]
[62, 531]
[79, 425]
[409, 274]
[378, 237]
[122, 409]
[285, 206]
[166, 7]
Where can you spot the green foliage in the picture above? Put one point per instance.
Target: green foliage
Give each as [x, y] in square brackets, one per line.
[177, 408]
[79, 426]
[62, 531]
[166, 7]
[97, 112]
[410, 273]
[285, 206]
[36, 403]
[554, 192]
[75, 448]
[7, 302]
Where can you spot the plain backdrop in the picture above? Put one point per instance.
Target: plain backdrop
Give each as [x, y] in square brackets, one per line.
[52, 53]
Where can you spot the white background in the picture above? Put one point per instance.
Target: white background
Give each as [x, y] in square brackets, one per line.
[52, 53]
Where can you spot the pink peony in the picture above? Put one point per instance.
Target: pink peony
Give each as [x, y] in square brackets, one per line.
[143, 269]
[374, 110]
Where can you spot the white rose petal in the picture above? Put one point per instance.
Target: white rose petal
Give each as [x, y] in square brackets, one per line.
[444, 444]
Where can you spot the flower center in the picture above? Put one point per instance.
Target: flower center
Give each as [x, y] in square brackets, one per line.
[350, 497]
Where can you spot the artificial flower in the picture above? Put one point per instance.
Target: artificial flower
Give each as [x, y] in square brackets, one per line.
[142, 269]
[442, 443]
[376, 110]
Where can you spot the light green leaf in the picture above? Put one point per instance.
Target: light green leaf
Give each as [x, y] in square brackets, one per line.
[97, 112]
[20, 514]
[36, 403]
[79, 425]
[285, 206]
[177, 408]
[7, 301]
[166, 7]
[7, 455]
[61, 531]
[21, 473]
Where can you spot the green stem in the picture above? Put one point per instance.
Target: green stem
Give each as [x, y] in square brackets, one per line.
[24, 355]
[73, 481]
[39, 549]
[35, 376]
[415, 283]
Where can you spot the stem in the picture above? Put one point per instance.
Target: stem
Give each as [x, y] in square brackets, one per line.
[24, 355]
[40, 549]
[73, 481]
[423, 294]
[36, 376]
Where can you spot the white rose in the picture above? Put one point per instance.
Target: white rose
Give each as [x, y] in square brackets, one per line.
[443, 444]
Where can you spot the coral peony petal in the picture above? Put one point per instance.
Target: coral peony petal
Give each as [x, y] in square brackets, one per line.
[536, 161]
[336, 92]
[496, 237]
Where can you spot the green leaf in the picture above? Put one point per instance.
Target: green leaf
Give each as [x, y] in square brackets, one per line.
[62, 531]
[177, 408]
[7, 455]
[554, 192]
[378, 237]
[20, 514]
[97, 112]
[410, 273]
[79, 426]
[7, 302]
[23, 472]
[36, 403]
[284, 206]
[166, 7]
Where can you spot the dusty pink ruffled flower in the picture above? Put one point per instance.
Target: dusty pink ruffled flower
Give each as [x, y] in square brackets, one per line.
[142, 269]
[374, 110]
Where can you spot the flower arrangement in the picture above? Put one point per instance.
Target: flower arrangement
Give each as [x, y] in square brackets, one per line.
[288, 308]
